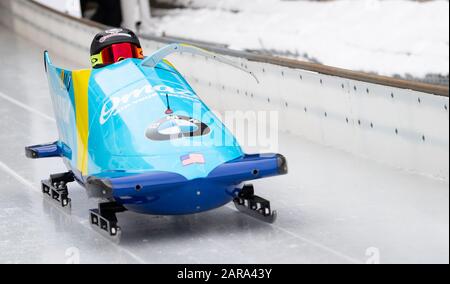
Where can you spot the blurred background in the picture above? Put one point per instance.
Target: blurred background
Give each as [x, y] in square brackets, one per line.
[398, 38]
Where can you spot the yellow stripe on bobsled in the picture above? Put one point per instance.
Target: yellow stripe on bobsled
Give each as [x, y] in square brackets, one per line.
[80, 88]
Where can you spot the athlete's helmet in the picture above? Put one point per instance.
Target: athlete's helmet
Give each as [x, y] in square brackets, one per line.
[114, 45]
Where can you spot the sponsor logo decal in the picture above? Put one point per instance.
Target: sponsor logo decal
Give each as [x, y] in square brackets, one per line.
[113, 33]
[176, 126]
[117, 103]
[103, 38]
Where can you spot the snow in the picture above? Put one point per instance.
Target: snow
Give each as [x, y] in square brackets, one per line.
[395, 37]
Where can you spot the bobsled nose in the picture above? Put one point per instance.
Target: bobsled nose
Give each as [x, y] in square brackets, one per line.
[246, 168]
[168, 193]
[282, 164]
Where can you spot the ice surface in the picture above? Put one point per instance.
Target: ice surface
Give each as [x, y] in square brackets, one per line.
[387, 37]
[333, 207]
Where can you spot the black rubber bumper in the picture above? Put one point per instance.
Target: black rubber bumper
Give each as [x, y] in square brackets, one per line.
[98, 187]
[282, 164]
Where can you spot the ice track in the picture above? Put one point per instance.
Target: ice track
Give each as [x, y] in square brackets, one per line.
[333, 207]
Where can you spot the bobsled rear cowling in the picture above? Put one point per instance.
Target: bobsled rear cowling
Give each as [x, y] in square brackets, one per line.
[141, 136]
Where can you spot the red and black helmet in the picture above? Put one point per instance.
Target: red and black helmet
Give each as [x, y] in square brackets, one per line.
[114, 45]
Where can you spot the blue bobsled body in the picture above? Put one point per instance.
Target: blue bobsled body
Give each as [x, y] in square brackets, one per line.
[142, 137]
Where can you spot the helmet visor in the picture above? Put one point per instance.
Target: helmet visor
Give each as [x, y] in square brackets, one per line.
[115, 53]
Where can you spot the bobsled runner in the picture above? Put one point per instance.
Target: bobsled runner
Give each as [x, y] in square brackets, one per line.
[136, 136]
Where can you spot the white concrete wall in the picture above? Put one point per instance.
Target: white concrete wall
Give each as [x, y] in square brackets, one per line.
[400, 128]
[71, 7]
[135, 11]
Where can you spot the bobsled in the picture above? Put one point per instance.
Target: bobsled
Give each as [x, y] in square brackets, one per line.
[136, 136]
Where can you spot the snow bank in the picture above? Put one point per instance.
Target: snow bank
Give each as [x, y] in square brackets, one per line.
[387, 37]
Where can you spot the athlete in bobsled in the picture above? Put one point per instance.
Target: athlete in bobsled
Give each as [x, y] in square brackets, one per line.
[135, 134]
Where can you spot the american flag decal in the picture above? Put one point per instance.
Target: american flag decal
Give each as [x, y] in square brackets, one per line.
[191, 159]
